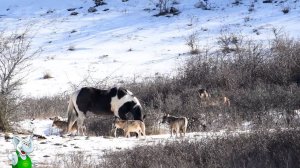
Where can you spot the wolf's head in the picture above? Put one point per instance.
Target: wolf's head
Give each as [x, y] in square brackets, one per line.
[165, 118]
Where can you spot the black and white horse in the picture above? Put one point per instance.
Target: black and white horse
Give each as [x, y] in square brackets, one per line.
[115, 101]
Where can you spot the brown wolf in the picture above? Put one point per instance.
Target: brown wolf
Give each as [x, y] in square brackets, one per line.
[63, 125]
[207, 100]
[128, 126]
[177, 124]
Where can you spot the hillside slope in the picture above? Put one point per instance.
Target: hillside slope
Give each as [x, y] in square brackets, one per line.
[123, 41]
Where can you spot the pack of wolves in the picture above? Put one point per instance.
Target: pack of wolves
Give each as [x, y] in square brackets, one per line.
[119, 101]
[177, 125]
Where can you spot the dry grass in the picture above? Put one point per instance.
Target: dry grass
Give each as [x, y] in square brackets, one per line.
[260, 149]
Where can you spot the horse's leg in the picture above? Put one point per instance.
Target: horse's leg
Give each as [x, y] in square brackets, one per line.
[72, 118]
[80, 122]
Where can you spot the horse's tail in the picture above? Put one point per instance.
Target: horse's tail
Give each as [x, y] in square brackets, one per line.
[72, 114]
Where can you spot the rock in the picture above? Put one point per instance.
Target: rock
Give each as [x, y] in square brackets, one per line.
[201, 5]
[174, 11]
[92, 9]
[71, 9]
[74, 13]
[267, 1]
[8, 136]
[99, 2]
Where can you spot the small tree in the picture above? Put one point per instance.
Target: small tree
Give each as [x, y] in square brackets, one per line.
[163, 6]
[14, 62]
[192, 41]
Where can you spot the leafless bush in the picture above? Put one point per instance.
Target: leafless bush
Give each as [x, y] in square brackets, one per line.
[99, 126]
[163, 6]
[285, 10]
[261, 149]
[44, 107]
[99, 2]
[47, 75]
[14, 63]
[230, 42]
[251, 7]
[192, 42]
[71, 48]
[73, 160]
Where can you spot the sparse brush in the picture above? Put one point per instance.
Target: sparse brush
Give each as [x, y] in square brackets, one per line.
[192, 41]
[76, 159]
[71, 48]
[286, 10]
[260, 149]
[47, 75]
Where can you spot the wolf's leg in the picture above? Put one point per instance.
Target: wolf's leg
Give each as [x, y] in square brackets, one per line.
[80, 121]
[177, 131]
[127, 134]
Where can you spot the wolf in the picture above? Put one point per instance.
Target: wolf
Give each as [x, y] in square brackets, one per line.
[177, 124]
[207, 100]
[63, 126]
[128, 126]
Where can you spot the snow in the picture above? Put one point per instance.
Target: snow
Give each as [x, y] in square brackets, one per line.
[127, 42]
[123, 43]
[46, 150]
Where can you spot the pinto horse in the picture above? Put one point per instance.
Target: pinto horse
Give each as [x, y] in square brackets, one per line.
[116, 101]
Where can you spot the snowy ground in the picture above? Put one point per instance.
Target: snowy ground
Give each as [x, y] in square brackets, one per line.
[127, 42]
[46, 150]
[123, 43]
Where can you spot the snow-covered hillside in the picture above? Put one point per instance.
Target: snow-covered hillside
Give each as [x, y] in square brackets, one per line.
[123, 40]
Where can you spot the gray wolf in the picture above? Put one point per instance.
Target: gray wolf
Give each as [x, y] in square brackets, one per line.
[128, 126]
[177, 124]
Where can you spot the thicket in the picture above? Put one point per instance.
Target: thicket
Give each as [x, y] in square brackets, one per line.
[259, 149]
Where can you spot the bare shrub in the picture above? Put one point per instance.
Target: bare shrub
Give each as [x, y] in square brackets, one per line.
[251, 7]
[14, 64]
[99, 2]
[76, 159]
[163, 6]
[261, 149]
[47, 75]
[71, 48]
[230, 42]
[285, 10]
[44, 107]
[99, 126]
[192, 41]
